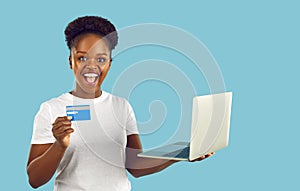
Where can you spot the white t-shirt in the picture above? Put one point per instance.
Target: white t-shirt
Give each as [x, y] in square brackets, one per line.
[95, 159]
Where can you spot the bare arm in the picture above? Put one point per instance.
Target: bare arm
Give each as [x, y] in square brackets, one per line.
[138, 166]
[44, 158]
[43, 162]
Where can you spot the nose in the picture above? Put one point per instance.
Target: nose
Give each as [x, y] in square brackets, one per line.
[89, 67]
[91, 64]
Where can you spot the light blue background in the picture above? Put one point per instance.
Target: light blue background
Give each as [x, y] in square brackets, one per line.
[256, 44]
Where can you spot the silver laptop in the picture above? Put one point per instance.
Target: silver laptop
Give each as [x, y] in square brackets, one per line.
[209, 130]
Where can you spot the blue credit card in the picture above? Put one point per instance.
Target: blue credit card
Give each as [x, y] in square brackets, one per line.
[79, 112]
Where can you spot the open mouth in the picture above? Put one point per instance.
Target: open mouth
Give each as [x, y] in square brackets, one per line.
[91, 77]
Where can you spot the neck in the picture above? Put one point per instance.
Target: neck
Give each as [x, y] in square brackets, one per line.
[78, 92]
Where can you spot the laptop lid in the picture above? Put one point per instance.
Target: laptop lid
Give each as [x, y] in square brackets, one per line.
[210, 123]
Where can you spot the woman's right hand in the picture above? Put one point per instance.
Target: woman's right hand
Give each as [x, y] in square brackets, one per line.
[62, 130]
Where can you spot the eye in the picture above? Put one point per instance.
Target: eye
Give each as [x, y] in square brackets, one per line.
[101, 60]
[82, 58]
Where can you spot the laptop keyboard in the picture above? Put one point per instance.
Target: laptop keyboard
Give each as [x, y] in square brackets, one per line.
[184, 153]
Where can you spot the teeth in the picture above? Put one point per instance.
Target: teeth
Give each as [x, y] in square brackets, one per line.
[90, 75]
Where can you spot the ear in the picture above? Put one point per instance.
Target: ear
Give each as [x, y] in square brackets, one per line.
[110, 62]
[70, 62]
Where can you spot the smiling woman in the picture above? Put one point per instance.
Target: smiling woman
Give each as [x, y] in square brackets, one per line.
[90, 62]
[90, 152]
[90, 40]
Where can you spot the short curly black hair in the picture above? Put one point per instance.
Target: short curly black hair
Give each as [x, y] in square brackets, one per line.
[91, 24]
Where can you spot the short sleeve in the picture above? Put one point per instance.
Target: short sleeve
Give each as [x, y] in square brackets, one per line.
[131, 126]
[42, 128]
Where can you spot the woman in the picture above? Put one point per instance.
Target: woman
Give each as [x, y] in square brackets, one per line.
[91, 154]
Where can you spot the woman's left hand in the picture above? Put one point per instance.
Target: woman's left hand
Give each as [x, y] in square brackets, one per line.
[203, 157]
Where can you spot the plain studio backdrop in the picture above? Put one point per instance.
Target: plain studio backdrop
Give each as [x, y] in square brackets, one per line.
[255, 44]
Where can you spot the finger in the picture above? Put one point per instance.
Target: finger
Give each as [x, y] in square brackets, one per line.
[64, 133]
[63, 118]
[203, 157]
[60, 124]
[198, 159]
[69, 131]
[210, 154]
[59, 119]
[62, 129]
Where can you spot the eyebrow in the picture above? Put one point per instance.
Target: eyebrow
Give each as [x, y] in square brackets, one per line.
[83, 52]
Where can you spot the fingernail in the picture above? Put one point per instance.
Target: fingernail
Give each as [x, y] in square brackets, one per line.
[69, 117]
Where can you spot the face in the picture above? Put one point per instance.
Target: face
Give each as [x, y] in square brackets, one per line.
[90, 62]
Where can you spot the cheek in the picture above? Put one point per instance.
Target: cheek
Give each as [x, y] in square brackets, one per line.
[76, 68]
[104, 72]
[105, 69]
[75, 65]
